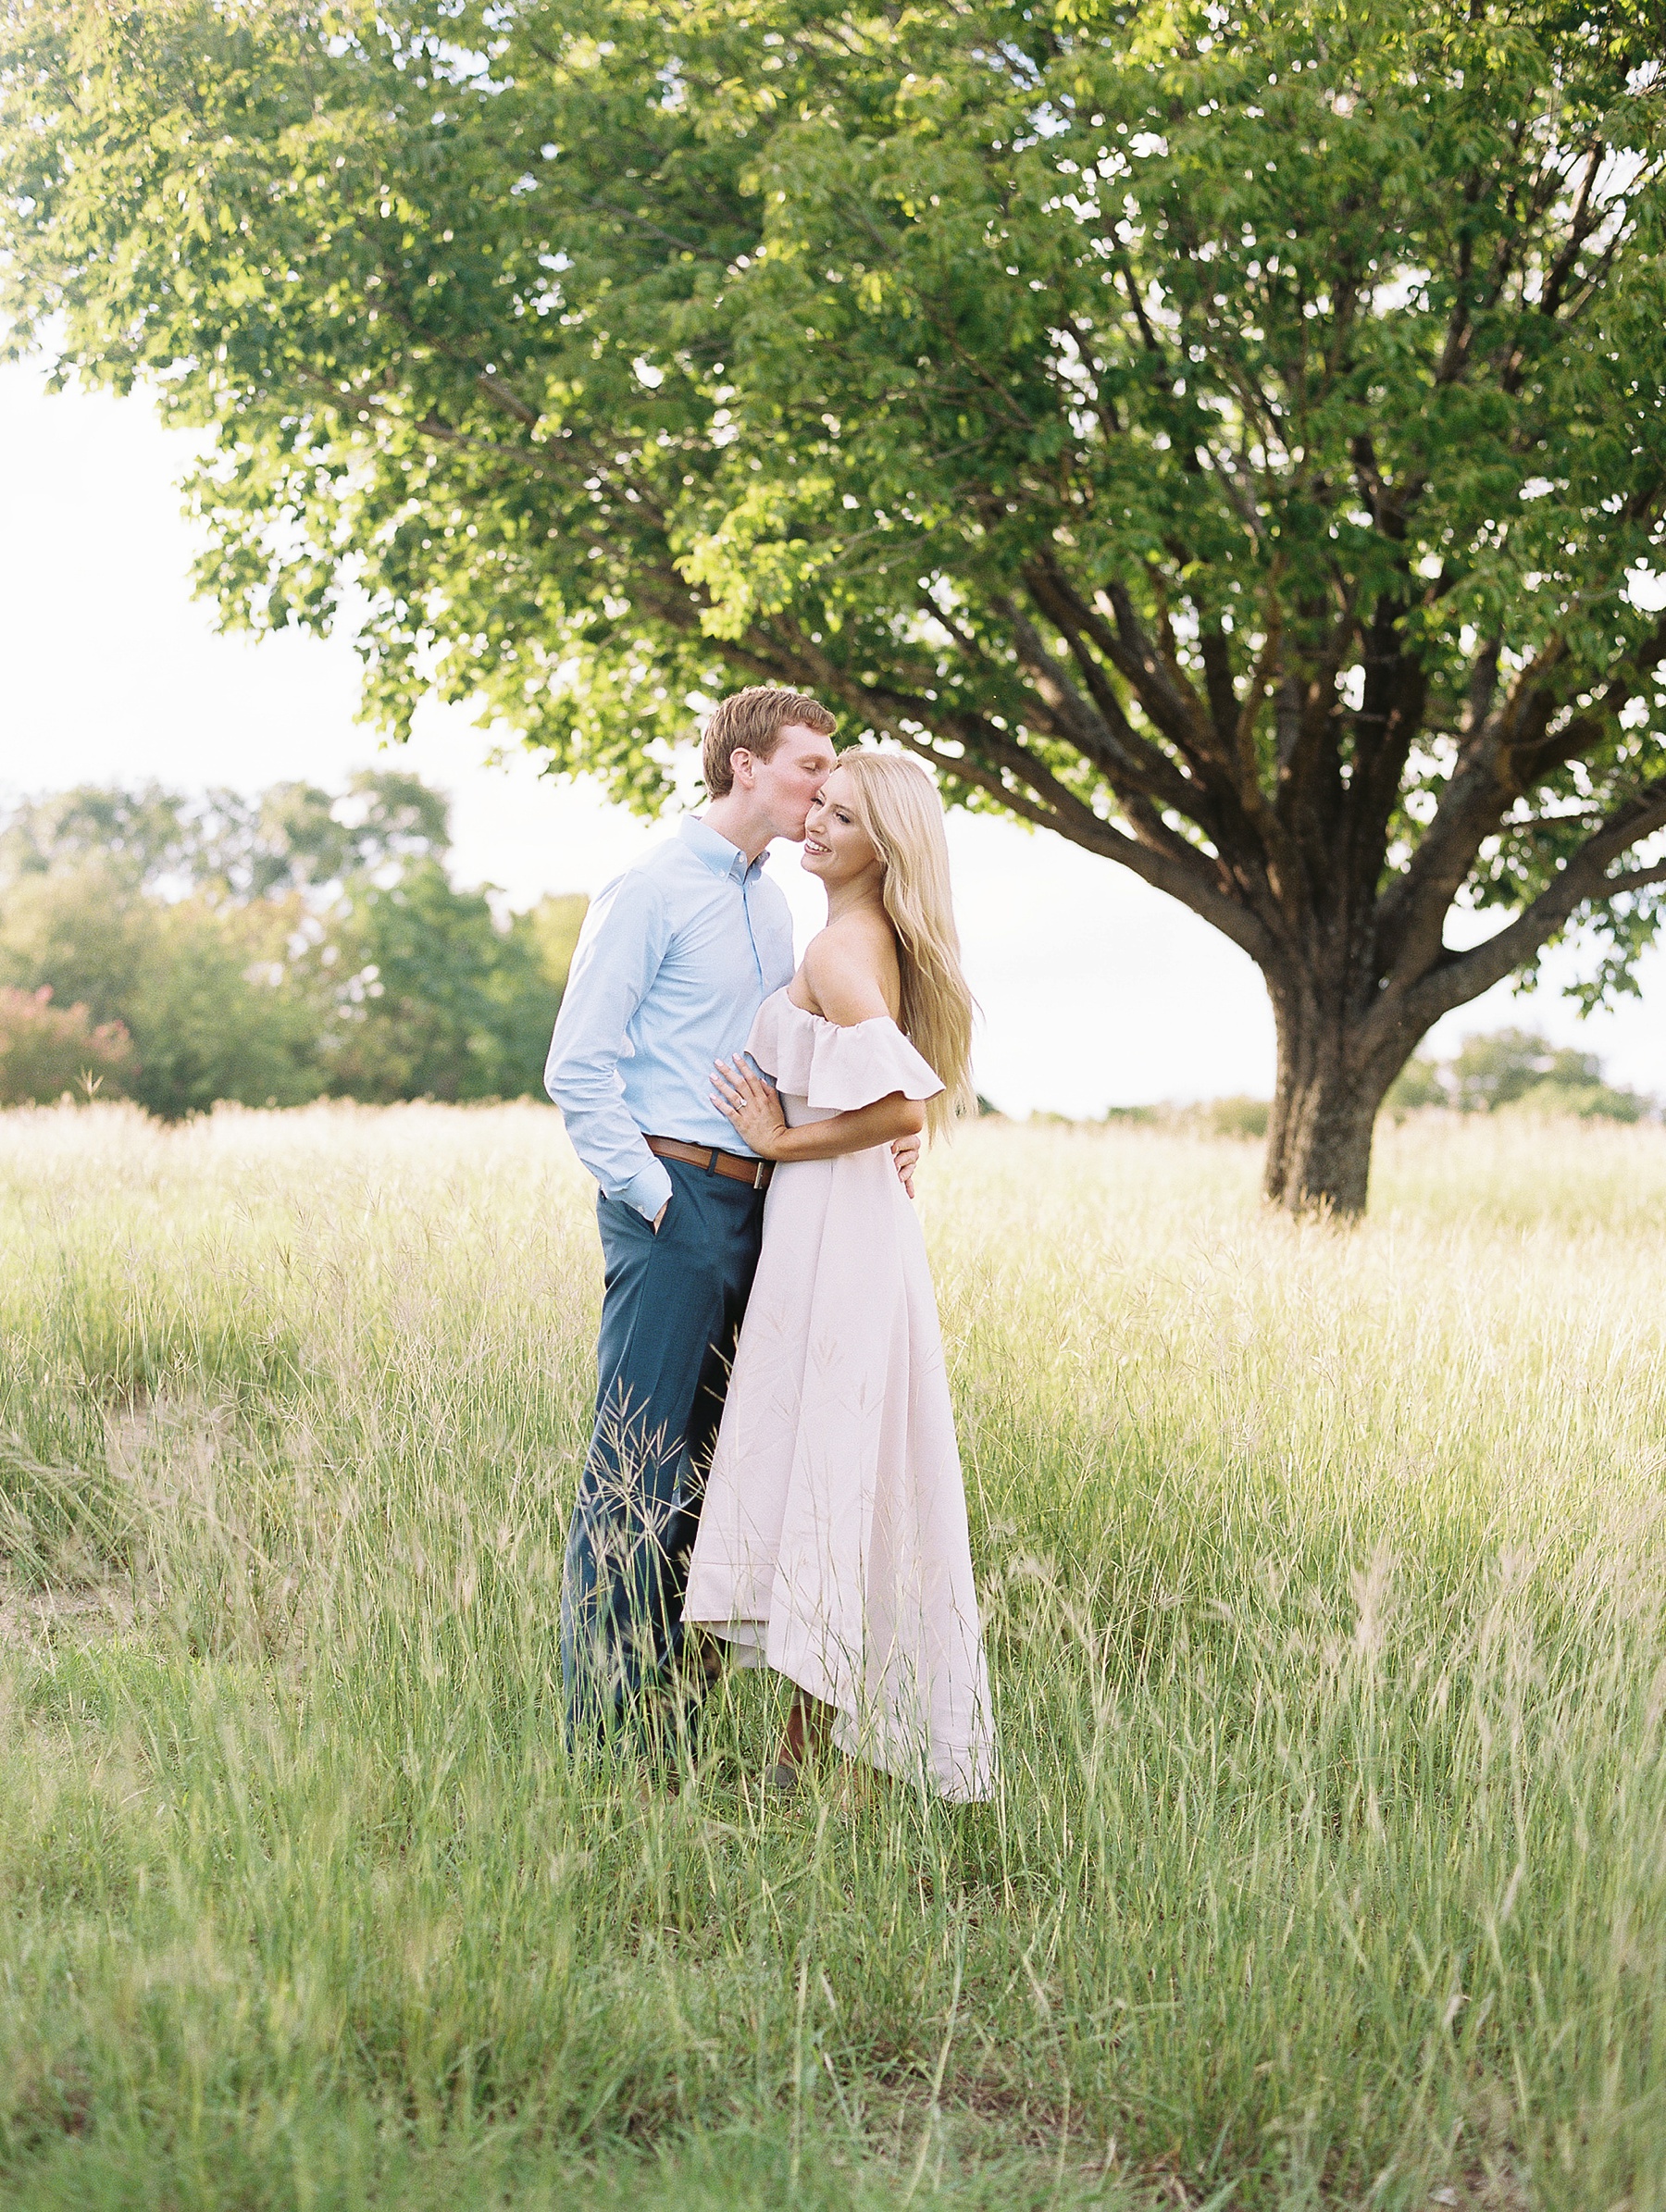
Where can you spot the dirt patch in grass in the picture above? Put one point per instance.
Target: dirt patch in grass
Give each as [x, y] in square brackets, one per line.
[40, 1622]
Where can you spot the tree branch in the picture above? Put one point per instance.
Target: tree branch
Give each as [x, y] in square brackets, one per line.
[1639, 879]
[1412, 912]
[1126, 756]
[1460, 977]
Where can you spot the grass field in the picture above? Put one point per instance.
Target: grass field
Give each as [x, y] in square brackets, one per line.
[1323, 1577]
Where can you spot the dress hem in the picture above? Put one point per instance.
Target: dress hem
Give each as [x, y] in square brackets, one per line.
[750, 1640]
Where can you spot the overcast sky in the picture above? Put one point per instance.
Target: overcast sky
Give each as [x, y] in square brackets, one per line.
[1094, 990]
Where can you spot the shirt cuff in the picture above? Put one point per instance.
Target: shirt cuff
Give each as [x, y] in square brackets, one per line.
[648, 1189]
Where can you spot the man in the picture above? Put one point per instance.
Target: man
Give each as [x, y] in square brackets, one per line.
[675, 957]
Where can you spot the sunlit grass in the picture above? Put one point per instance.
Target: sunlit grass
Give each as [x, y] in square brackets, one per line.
[1323, 1575]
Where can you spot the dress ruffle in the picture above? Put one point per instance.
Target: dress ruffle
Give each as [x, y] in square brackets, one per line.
[837, 1070]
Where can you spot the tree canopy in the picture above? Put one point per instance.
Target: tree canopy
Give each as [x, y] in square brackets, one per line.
[1230, 437]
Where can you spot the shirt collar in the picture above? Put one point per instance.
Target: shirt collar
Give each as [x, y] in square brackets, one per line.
[718, 855]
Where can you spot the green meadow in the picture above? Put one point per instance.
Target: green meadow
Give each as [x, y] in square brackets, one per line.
[1324, 1576]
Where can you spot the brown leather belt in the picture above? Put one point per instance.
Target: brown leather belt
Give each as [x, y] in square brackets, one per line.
[755, 1172]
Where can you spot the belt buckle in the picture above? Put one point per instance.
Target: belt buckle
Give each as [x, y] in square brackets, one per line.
[760, 1174]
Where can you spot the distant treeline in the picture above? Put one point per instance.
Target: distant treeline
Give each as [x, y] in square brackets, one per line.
[269, 950]
[1514, 1069]
[1517, 1069]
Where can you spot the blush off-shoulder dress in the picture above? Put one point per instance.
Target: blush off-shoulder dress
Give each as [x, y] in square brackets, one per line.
[832, 1542]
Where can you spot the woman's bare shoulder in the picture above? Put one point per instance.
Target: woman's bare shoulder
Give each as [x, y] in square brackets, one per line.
[851, 968]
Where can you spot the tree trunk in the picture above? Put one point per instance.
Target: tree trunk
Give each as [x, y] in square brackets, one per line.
[1323, 1112]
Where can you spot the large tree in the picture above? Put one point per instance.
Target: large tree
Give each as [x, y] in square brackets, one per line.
[1221, 434]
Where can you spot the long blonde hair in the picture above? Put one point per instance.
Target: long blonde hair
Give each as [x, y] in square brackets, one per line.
[896, 802]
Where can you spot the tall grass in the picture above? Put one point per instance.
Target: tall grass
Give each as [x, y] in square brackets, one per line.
[1324, 1582]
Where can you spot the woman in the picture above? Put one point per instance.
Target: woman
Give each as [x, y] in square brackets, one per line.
[832, 1541]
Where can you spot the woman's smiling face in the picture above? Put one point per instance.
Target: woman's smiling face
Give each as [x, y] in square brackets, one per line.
[836, 848]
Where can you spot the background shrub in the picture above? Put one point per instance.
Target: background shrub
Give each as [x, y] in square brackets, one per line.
[46, 1051]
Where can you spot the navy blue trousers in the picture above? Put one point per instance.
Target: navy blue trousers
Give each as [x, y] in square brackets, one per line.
[670, 1315]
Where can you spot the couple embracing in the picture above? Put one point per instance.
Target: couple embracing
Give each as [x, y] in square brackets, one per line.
[773, 1470]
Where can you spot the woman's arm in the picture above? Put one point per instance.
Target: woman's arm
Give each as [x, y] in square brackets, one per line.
[755, 1111]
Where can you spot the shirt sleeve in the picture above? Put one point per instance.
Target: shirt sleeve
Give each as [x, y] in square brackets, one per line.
[620, 951]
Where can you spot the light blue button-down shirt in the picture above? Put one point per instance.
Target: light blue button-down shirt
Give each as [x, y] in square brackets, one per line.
[674, 961]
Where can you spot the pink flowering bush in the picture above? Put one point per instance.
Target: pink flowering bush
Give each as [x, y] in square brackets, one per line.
[46, 1051]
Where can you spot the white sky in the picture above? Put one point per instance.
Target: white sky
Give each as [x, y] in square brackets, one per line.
[1094, 990]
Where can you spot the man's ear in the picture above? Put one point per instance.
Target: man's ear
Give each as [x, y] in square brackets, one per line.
[742, 767]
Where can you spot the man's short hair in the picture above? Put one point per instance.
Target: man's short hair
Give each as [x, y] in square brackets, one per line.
[751, 721]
